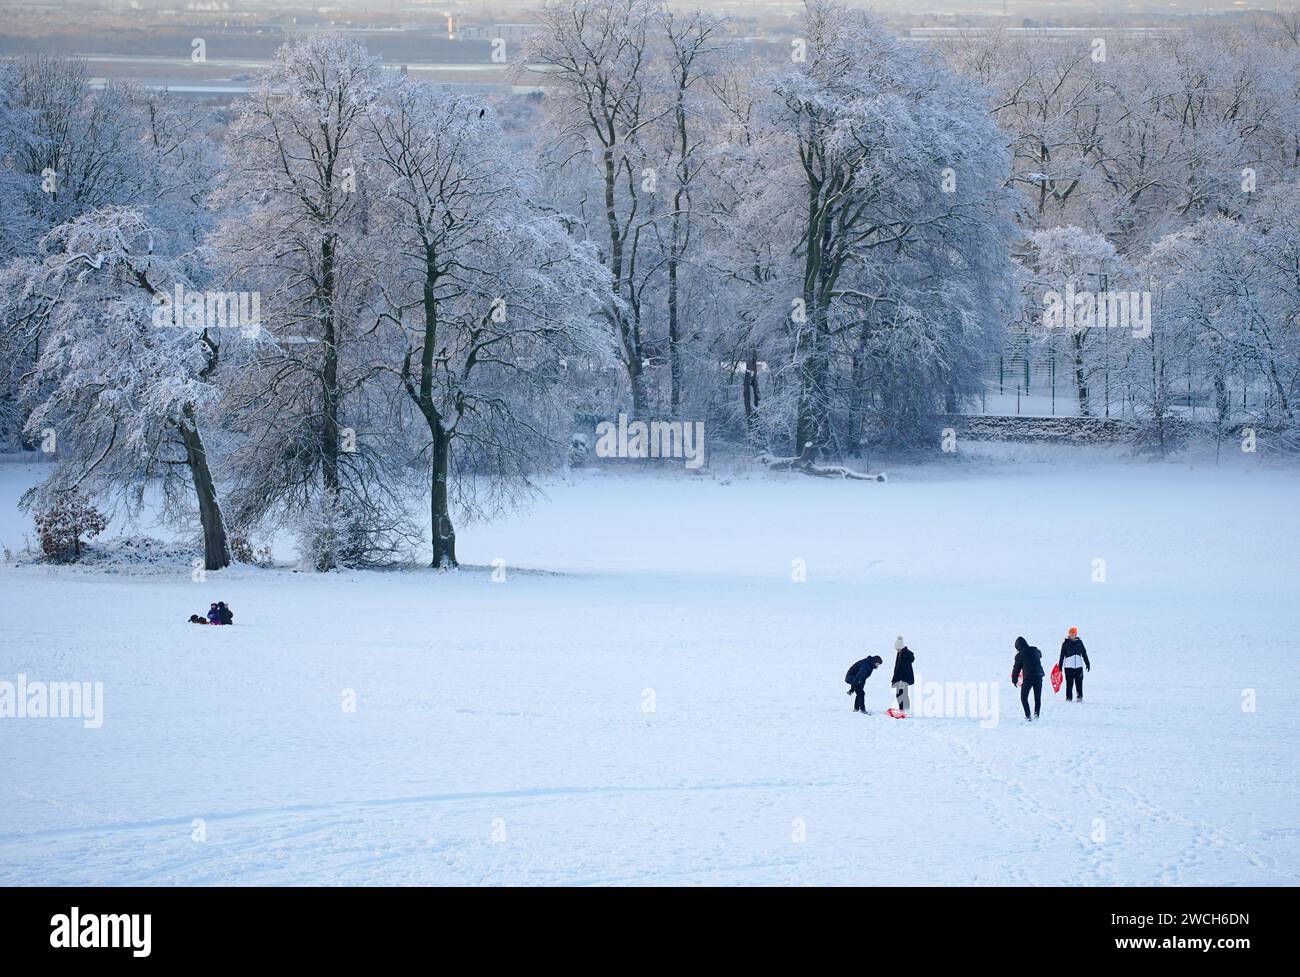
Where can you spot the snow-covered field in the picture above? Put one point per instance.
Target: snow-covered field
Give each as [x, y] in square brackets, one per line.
[649, 697]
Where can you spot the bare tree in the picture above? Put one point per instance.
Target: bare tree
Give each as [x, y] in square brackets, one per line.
[295, 230]
[596, 56]
[901, 218]
[487, 294]
[691, 47]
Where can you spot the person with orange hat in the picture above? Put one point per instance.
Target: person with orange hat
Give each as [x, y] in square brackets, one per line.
[1073, 660]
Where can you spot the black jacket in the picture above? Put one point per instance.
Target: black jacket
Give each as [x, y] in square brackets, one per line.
[1028, 660]
[903, 667]
[1073, 646]
[860, 671]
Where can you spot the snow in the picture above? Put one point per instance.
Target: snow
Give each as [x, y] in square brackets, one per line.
[500, 734]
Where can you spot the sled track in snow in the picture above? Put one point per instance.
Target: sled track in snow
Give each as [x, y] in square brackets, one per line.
[333, 807]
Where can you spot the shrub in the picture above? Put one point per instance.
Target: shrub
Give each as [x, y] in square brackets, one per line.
[244, 550]
[332, 535]
[61, 525]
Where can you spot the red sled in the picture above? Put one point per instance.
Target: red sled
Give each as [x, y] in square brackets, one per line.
[896, 714]
[1057, 677]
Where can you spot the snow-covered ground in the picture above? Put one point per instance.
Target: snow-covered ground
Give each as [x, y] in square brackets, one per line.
[649, 697]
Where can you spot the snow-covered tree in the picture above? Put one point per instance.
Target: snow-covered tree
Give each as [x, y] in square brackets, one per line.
[61, 525]
[1138, 137]
[71, 149]
[294, 229]
[691, 49]
[67, 150]
[1064, 262]
[121, 391]
[901, 230]
[595, 57]
[487, 292]
[1231, 289]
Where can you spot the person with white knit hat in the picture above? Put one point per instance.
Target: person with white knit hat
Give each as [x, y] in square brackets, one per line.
[903, 676]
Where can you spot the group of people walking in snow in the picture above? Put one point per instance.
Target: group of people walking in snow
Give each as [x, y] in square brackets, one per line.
[1026, 671]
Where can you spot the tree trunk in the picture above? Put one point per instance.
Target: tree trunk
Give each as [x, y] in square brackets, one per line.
[636, 378]
[1222, 411]
[1279, 387]
[329, 446]
[806, 342]
[812, 426]
[750, 394]
[677, 248]
[444, 534]
[1080, 376]
[330, 372]
[216, 548]
[813, 417]
[805, 433]
[628, 332]
[674, 331]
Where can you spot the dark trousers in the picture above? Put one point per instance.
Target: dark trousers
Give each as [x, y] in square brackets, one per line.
[1037, 685]
[858, 704]
[1073, 682]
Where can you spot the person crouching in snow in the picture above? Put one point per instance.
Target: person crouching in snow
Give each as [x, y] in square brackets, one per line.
[857, 676]
[1029, 662]
[903, 676]
[1073, 660]
[214, 613]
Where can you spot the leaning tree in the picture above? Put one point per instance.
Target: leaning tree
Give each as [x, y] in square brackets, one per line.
[122, 393]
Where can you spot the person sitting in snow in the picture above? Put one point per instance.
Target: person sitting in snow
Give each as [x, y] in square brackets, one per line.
[903, 676]
[224, 614]
[857, 676]
[214, 613]
[1073, 660]
[1029, 662]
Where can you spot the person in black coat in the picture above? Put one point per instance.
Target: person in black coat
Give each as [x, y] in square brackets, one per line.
[224, 613]
[857, 676]
[1073, 660]
[1029, 663]
[903, 676]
